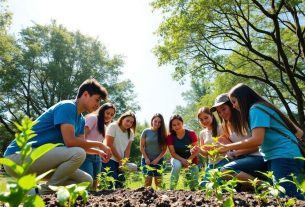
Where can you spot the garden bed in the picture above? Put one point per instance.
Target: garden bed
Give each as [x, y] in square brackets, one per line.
[162, 198]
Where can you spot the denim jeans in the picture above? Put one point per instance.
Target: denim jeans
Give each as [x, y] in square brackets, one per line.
[152, 173]
[192, 176]
[282, 168]
[92, 165]
[249, 164]
[115, 173]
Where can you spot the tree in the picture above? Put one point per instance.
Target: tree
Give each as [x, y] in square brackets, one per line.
[53, 62]
[8, 51]
[199, 88]
[253, 39]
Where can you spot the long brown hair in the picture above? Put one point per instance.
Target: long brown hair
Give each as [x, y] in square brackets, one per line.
[133, 127]
[234, 120]
[101, 117]
[161, 131]
[172, 118]
[246, 98]
[207, 110]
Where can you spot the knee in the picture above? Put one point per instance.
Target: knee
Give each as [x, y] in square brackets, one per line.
[176, 165]
[78, 153]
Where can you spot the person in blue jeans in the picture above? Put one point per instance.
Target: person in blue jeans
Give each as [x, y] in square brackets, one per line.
[119, 137]
[272, 131]
[153, 148]
[95, 127]
[246, 163]
[211, 129]
[179, 142]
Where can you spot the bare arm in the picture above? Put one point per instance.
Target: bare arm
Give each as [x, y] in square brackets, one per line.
[109, 143]
[67, 131]
[161, 155]
[176, 156]
[127, 150]
[255, 140]
[299, 133]
[193, 155]
[142, 149]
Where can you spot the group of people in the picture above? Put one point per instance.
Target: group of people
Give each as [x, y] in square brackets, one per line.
[254, 136]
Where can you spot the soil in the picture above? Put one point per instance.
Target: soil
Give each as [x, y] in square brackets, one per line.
[143, 197]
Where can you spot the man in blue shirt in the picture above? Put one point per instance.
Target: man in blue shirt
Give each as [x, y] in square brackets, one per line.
[64, 123]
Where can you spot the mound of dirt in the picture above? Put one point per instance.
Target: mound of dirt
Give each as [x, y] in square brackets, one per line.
[144, 197]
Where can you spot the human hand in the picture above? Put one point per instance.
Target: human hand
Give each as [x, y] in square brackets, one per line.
[155, 162]
[107, 150]
[147, 161]
[103, 156]
[195, 150]
[223, 148]
[185, 163]
[231, 155]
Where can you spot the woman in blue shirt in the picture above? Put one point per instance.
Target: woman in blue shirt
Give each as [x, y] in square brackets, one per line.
[272, 131]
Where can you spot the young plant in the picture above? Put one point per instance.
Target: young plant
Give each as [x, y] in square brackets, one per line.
[67, 195]
[190, 180]
[259, 193]
[217, 184]
[18, 188]
[275, 189]
[105, 180]
[126, 174]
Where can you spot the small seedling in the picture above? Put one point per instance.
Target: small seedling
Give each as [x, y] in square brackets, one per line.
[67, 195]
[18, 188]
[105, 180]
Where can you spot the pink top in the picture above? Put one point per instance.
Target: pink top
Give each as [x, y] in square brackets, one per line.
[94, 134]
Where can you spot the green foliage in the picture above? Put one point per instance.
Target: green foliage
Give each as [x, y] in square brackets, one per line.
[105, 180]
[18, 188]
[47, 63]
[67, 195]
[203, 39]
[274, 189]
[218, 183]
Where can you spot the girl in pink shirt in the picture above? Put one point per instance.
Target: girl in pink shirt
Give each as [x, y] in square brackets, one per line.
[95, 128]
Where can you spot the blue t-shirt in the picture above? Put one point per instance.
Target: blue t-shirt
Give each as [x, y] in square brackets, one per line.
[274, 145]
[48, 125]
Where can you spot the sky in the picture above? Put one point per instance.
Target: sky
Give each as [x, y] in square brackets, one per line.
[125, 27]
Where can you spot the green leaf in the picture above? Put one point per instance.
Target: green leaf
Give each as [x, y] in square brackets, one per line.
[11, 164]
[274, 192]
[84, 195]
[38, 152]
[82, 186]
[228, 202]
[34, 201]
[62, 195]
[291, 202]
[27, 182]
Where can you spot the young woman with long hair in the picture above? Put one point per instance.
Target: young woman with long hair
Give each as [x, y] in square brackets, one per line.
[153, 148]
[272, 131]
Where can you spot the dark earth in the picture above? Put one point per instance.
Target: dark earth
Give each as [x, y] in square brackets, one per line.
[162, 198]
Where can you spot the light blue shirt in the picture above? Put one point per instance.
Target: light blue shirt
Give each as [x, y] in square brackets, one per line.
[274, 145]
[152, 147]
[48, 126]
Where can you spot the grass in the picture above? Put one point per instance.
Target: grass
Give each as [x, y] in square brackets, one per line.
[137, 181]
